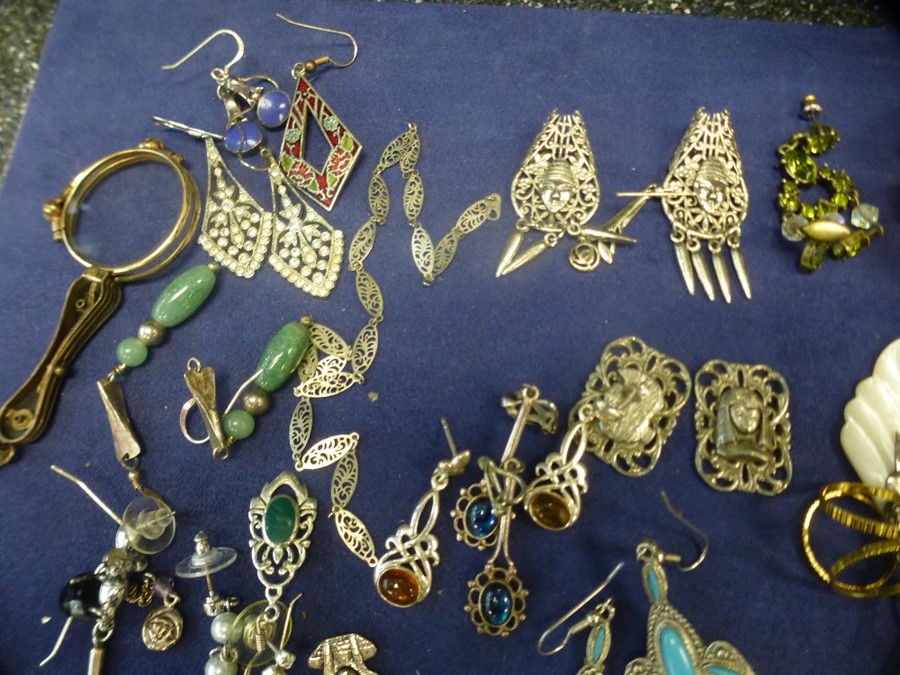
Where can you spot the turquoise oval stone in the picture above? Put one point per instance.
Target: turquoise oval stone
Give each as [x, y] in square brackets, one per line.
[599, 641]
[675, 655]
[282, 356]
[653, 582]
[480, 518]
[719, 670]
[496, 603]
[131, 352]
[238, 424]
[183, 296]
[280, 519]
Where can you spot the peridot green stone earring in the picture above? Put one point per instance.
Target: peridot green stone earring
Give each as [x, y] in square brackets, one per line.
[821, 225]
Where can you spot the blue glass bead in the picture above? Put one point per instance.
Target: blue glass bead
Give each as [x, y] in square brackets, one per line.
[273, 108]
[242, 137]
[496, 603]
[480, 518]
[80, 598]
[675, 655]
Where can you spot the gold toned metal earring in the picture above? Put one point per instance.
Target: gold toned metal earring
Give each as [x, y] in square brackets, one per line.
[822, 226]
[484, 511]
[705, 198]
[871, 507]
[743, 428]
[670, 637]
[598, 620]
[630, 405]
[556, 192]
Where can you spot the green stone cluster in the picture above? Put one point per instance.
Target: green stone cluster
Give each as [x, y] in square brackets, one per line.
[179, 301]
[821, 224]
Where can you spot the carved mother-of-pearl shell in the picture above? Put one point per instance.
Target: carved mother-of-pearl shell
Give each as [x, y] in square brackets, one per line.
[872, 418]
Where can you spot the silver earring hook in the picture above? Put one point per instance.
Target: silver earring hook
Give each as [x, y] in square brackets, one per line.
[581, 625]
[326, 59]
[224, 70]
[676, 558]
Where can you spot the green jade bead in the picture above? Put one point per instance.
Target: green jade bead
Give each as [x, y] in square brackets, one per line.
[183, 296]
[282, 356]
[238, 424]
[131, 352]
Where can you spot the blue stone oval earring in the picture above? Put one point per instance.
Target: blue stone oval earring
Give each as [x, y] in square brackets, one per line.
[598, 620]
[673, 646]
[496, 600]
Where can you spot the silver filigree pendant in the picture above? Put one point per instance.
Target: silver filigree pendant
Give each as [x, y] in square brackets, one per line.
[556, 192]
[743, 427]
[631, 404]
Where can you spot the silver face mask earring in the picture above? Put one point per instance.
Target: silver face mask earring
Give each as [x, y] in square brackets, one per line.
[631, 404]
[598, 620]
[705, 198]
[556, 192]
[743, 428]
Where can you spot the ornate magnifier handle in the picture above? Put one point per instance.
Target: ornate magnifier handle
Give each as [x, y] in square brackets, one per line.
[91, 299]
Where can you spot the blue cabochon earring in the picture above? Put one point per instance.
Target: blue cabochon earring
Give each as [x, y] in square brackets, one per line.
[484, 512]
[673, 645]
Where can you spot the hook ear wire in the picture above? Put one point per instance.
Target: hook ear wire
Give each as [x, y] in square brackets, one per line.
[326, 59]
[581, 625]
[221, 31]
[675, 558]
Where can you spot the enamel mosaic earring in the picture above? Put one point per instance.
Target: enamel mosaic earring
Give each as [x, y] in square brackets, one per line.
[598, 620]
[673, 645]
[322, 184]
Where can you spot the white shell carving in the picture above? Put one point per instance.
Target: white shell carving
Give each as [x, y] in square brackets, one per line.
[872, 419]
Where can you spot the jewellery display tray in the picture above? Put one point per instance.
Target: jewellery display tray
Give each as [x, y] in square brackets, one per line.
[479, 83]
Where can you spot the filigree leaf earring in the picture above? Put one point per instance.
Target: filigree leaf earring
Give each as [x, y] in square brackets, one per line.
[322, 184]
[743, 427]
[633, 399]
[556, 192]
[705, 198]
[671, 639]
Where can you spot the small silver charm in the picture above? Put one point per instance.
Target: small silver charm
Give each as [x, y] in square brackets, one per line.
[343, 655]
[631, 404]
[743, 428]
[556, 192]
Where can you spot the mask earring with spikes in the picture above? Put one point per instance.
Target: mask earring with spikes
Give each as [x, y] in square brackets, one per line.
[556, 192]
[670, 638]
[705, 198]
[323, 184]
[598, 620]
